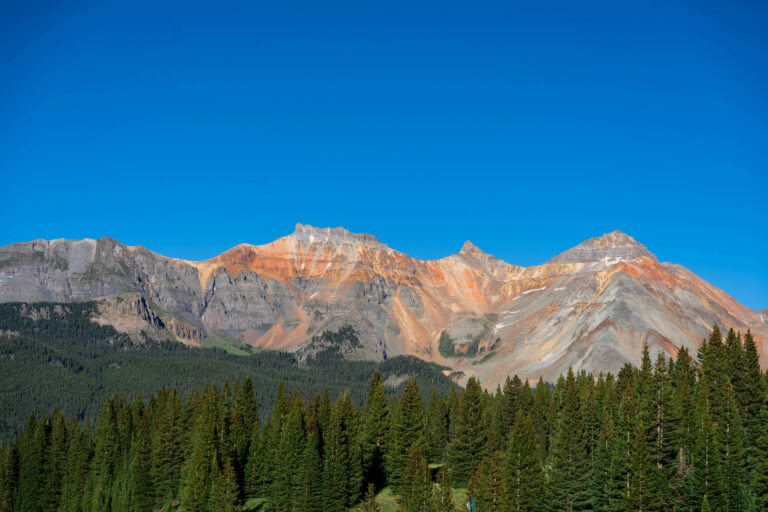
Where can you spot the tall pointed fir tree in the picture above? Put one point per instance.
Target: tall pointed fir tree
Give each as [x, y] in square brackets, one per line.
[465, 450]
[368, 504]
[524, 473]
[487, 486]
[225, 495]
[409, 429]
[416, 485]
[760, 459]
[375, 433]
[437, 426]
[342, 471]
[442, 499]
[569, 478]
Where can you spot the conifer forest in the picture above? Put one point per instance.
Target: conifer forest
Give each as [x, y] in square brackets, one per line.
[689, 434]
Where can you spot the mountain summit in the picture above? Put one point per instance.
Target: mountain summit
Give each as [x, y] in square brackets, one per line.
[614, 245]
[592, 307]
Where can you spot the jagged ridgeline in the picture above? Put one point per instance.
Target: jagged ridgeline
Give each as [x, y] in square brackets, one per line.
[685, 434]
[55, 355]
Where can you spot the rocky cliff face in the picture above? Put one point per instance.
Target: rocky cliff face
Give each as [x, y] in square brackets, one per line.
[591, 307]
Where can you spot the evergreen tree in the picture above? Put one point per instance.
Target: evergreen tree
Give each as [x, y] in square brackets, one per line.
[225, 494]
[760, 455]
[524, 473]
[342, 472]
[569, 478]
[437, 426]
[141, 496]
[487, 485]
[442, 500]
[409, 429]
[416, 484]
[375, 434]
[369, 500]
[310, 493]
[464, 451]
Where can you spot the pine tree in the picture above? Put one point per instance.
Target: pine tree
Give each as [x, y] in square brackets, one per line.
[602, 469]
[287, 464]
[569, 478]
[369, 501]
[760, 456]
[416, 484]
[141, 496]
[646, 492]
[225, 494]
[464, 451]
[197, 477]
[730, 439]
[375, 421]
[487, 485]
[437, 426]
[706, 478]
[79, 452]
[442, 499]
[167, 451]
[524, 473]
[310, 485]
[751, 391]
[511, 403]
[342, 471]
[8, 466]
[409, 429]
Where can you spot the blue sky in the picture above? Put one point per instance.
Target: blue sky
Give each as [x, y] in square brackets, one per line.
[525, 127]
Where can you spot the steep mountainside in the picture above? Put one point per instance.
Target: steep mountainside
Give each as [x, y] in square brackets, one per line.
[591, 307]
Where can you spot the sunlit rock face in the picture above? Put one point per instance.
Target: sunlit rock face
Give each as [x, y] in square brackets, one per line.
[592, 307]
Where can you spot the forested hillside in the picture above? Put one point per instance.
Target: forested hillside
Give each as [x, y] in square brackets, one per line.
[685, 435]
[54, 355]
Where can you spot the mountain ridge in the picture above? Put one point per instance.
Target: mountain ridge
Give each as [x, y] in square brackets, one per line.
[592, 306]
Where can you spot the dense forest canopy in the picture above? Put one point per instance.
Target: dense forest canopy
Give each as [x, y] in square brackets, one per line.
[689, 434]
[55, 355]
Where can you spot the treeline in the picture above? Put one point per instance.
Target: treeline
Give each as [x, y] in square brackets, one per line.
[673, 435]
[54, 355]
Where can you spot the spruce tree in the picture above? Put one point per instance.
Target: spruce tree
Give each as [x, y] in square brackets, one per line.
[416, 484]
[760, 457]
[225, 493]
[437, 426]
[342, 471]
[524, 473]
[141, 496]
[369, 501]
[569, 478]
[487, 485]
[442, 499]
[310, 486]
[375, 433]
[409, 429]
[464, 451]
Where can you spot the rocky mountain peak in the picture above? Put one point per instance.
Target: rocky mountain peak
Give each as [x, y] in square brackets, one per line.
[615, 244]
[469, 248]
[336, 236]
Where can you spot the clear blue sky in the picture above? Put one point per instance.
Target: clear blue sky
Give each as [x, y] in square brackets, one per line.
[526, 127]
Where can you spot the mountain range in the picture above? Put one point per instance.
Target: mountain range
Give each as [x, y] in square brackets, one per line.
[592, 307]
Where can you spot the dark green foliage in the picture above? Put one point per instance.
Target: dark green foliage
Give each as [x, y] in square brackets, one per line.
[465, 450]
[409, 429]
[416, 484]
[487, 485]
[442, 498]
[523, 471]
[369, 501]
[375, 435]
[65, 360]
[570, 475]
[665, 437]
